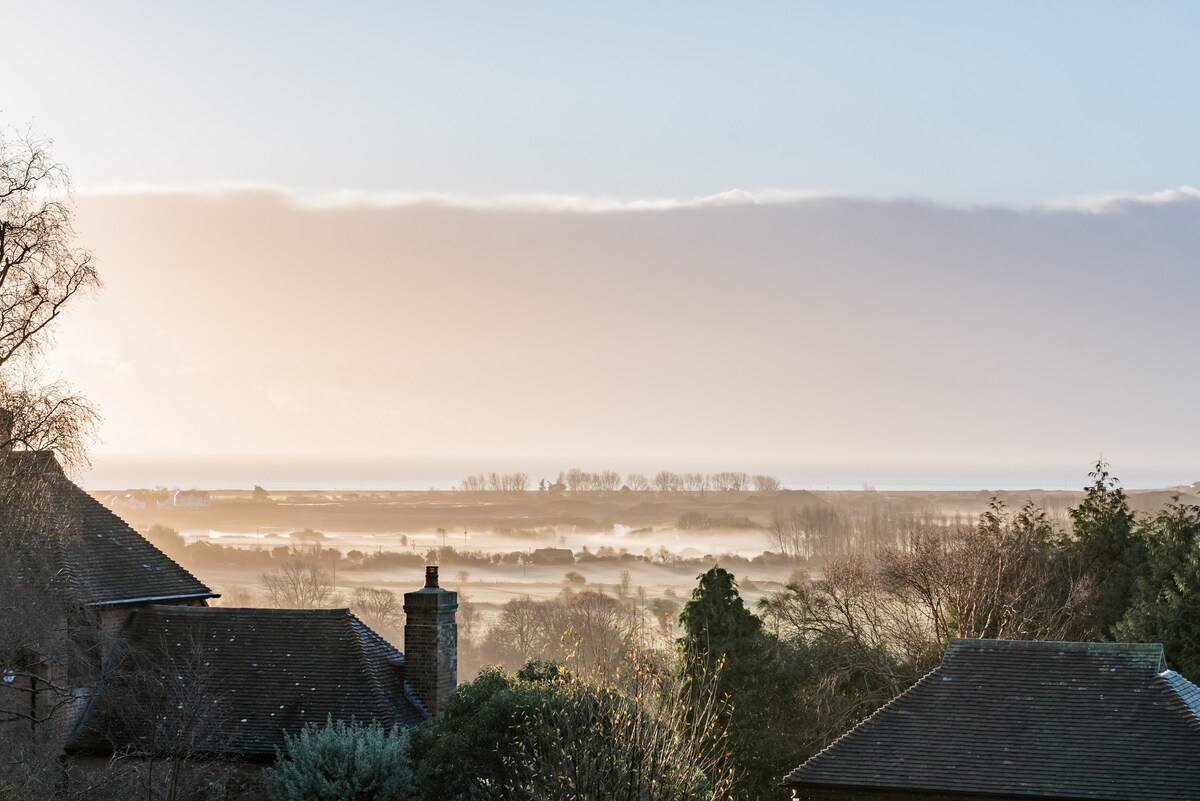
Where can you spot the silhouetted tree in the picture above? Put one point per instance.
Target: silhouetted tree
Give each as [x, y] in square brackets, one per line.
[1165, 603]
[723, 650]
[1107, 546]
[545, 734]
[49, 649]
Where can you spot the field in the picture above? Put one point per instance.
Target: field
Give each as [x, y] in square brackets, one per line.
[491, 544]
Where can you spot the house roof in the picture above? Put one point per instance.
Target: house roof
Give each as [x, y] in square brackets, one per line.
[1024, 718]
[102, 559]
[254, 674]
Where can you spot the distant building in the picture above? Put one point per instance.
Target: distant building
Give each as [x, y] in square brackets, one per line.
[126, 500]
[191, 498]
[1008, 720]
[552, 556]
[179, 498]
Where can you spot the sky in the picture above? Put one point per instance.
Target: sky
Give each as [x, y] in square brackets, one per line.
[938, 243]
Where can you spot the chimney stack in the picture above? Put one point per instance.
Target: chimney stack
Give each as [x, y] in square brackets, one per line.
[6, 430]
[431, 642]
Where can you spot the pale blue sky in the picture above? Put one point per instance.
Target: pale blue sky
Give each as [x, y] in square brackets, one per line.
[1005, 102]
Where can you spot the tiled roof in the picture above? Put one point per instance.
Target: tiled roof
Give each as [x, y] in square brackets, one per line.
[1024, 718]
[259, 672]
[103, 560]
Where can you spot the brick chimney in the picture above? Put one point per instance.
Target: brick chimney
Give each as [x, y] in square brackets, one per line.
[431, 642]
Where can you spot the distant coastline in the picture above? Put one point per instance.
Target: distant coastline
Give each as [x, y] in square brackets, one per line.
[416, 473]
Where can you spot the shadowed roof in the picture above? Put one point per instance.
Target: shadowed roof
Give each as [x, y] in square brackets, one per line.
[1025, 718]
[102, 559]
[261, 672]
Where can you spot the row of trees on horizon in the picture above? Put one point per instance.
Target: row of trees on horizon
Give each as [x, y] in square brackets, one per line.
[576, 480]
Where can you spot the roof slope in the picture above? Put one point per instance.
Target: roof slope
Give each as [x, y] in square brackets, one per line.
[1024, 718]
[224, 680]
[103, 560]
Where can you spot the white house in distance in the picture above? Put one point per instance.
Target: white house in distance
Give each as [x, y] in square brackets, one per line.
[178, 497]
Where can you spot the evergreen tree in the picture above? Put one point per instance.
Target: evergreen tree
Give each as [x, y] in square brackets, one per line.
[544, 734]
[340, 762]
[1107, 546]
[724, 652]
[719, 631]
[1166, 603]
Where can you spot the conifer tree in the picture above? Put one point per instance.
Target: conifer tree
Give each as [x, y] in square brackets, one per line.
[1166, 603]
[723, 652]
[1108, 547]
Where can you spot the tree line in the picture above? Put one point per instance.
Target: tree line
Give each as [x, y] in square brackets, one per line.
[576, 480]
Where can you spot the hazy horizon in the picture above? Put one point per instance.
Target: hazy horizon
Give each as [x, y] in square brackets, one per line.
[117, 472]
[820, 331]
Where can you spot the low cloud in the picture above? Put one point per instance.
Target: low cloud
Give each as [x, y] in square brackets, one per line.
[1115, 202]
[594, 204]
[752, 326]
[356, 198]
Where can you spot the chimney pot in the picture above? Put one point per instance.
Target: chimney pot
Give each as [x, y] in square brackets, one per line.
[431, 576]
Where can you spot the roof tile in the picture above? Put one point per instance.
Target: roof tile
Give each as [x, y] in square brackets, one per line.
[103, 559]
[1026, 718]
[265, 671]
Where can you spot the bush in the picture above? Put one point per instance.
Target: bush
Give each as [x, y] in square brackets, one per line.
[343, 762]
[544, 734]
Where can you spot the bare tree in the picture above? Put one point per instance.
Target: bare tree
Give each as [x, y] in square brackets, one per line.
[803, 532]
[624, 586]
[764, 483]
[304, 581]
[596, 633]
[787, 535]
[515, 482]
[49, 646]
[476, 482]
[576, 480]
[1000, 578]
[520, 632]
[873, 624]
[237, 595]
[666, 481]
[608, 481]
[41, 272]
[164, 709]
[637, 482]
[380, 609]
[588, 631]
[40, 268]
